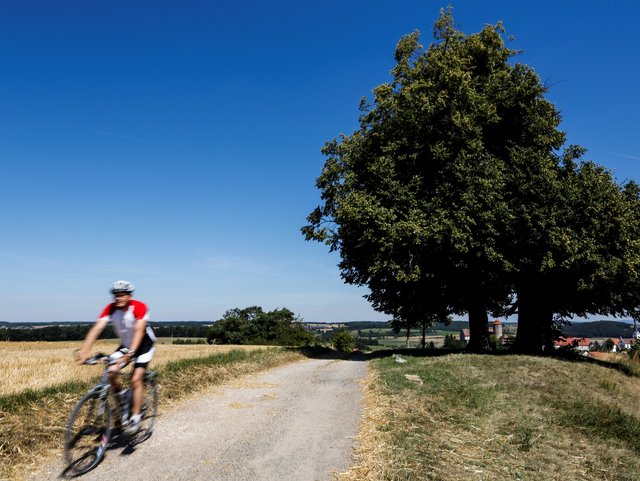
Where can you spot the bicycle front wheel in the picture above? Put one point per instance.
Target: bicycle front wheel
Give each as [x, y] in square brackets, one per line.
[149, 406]
[87, 434]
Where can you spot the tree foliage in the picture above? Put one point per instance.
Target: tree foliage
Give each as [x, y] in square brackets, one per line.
[252, 325]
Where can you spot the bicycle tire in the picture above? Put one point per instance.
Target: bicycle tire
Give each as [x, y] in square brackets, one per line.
[149, 410]
[87, 434]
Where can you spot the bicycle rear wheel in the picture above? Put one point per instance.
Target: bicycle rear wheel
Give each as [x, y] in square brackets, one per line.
[87, 434]
[149, 407]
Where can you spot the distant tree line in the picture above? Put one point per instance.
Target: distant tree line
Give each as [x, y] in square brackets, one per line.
[363, 325]
[613, 329]
[181, 330]
[77, 332]
[52, 333]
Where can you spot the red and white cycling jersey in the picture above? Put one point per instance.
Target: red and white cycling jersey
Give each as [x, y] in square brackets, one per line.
[123, 321]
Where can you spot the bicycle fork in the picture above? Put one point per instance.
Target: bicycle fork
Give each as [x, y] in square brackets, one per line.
[102, 408]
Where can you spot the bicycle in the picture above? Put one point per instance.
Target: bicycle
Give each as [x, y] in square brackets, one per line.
[93, 420]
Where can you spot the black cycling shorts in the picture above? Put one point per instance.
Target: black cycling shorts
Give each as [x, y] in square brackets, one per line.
[143, 355]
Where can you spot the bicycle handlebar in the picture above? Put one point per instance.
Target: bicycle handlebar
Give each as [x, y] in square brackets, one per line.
[101, 357]
[96, 358]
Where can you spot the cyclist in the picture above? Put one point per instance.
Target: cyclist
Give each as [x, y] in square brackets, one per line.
[129, 318]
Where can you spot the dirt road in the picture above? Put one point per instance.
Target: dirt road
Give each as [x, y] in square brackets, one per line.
[293, 423]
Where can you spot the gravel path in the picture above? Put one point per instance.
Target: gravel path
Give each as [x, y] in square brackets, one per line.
[293, 423]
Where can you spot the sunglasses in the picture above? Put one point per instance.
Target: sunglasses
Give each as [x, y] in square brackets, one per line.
[121, 294]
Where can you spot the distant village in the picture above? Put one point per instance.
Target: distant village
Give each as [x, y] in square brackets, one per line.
[578, 344]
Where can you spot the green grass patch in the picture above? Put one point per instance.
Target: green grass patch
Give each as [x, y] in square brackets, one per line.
[490, 417]
[15, 402]
[212, 360]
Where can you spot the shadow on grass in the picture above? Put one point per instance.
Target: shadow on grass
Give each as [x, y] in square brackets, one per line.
[415, 352]
[623, 368]
[600, 420]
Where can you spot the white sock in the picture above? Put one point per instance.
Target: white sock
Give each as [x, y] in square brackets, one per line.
[135, 418]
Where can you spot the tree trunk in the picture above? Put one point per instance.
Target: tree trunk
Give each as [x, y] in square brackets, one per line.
[535, 322]
[478, 327]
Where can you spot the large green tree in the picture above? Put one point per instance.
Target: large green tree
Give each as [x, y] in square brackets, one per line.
[414, 200]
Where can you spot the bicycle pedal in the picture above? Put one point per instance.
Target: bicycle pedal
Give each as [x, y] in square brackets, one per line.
[132, 429]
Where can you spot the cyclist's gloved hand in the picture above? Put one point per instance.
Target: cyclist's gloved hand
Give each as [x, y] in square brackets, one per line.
[81, 357]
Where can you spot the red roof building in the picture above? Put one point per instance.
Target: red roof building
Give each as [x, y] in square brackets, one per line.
[578, 343]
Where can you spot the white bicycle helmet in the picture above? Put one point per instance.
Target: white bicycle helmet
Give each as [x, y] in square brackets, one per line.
[122, 286]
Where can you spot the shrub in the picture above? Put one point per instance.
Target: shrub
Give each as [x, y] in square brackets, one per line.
[452, 342]
[252, 325]
[634, 351]
[343, 341]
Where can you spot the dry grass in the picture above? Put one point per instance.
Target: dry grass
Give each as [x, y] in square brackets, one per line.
[371, 453]
[32, 422]
[39, 365]
[498, 418]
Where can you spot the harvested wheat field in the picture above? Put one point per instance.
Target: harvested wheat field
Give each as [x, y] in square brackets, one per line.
[38, 365]
[42, 383]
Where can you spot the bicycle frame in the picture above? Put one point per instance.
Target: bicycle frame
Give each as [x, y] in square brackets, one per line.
[87, 437]
[104, 386]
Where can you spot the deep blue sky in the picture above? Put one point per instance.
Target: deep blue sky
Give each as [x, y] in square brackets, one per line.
[176, 144]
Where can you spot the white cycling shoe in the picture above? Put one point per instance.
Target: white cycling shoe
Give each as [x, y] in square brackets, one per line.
[133, 427]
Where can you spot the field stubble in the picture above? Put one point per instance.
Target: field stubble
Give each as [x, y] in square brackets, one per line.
[39, 365]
